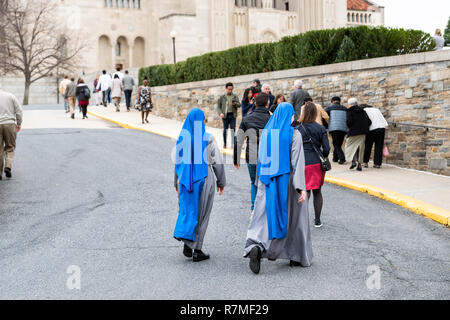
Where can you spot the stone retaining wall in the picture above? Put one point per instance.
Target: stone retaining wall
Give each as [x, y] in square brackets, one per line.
[412, 89]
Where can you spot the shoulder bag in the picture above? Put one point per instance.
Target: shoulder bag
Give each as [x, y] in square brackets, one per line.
[324, 162]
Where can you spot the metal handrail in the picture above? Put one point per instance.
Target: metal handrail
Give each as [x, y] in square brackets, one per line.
[426, 126]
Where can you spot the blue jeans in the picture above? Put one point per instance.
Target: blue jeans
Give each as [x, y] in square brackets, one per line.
[66, 104]
[252, 173]
[229, 122]
[128, 98]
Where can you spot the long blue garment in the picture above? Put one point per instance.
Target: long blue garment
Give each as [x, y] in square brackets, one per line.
[274, 167]
[192, 169]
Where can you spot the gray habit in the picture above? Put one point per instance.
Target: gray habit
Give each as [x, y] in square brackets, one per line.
[216, 178]
[297, 246]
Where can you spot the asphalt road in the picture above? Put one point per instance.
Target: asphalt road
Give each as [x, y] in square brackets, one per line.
[100, 197]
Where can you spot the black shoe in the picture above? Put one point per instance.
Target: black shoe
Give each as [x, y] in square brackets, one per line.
[187, 251]
[73, 116]
[359, 167]
[200, 256]
[8, 172]
[377, 167]
[295, 264]
[354, 164]
[255, 260]
[318, 224]
[1, 178]
[225, 146]
[341, 162]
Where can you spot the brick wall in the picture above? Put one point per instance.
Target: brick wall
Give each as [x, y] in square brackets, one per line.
[412, 89]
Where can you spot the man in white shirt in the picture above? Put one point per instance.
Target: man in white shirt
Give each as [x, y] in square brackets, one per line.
[10, 124]
[104, 85]
[376, 136]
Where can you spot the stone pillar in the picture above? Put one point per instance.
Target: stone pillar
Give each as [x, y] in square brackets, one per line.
[130, 55]
[113, 55]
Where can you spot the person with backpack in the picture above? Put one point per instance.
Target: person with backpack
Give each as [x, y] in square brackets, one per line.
[83, 95]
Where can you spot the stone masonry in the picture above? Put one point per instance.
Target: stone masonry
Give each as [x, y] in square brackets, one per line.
[412, 89]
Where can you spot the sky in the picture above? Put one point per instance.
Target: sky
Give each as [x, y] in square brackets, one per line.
[426, 15]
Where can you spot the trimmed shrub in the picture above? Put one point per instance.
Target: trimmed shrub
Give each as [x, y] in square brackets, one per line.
[312, 48]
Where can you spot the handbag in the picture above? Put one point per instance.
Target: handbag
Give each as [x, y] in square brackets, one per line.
[324, 162]
[386, 152]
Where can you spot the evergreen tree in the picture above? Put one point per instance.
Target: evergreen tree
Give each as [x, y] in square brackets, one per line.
[447, 33]
[347, 50]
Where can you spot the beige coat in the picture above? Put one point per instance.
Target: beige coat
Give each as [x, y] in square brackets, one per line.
[321, 114]
[116, 88]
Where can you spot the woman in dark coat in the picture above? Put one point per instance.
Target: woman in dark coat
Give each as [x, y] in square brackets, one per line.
[312, 132]
[279, 99]
[83, 96]
[248, 103]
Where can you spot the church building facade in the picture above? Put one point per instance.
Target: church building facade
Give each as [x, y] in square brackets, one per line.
[136, 33]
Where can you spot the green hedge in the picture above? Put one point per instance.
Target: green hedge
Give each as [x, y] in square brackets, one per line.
[308, 49]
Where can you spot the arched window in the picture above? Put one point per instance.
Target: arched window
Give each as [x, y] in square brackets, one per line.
[118, 49]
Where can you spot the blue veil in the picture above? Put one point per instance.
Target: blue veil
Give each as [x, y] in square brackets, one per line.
[274, 167]
[192, 169]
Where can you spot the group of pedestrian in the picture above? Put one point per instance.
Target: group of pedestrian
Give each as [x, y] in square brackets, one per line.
[106, 90]
[287, 149]
[113, 87]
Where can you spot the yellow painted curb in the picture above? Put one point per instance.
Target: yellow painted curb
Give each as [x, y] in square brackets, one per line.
[422, 208]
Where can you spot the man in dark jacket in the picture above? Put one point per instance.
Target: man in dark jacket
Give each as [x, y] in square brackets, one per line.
[251, 128]
[358, 123]
[227, 108]
[337, 128]
[298, 98]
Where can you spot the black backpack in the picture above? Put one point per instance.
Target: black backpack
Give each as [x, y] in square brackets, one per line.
[87, 92]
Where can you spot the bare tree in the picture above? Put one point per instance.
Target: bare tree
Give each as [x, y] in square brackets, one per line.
[34, 43]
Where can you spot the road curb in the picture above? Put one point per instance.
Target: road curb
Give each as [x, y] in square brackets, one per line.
[422, 208]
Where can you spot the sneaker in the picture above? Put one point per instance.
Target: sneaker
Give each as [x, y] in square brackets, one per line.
[318, 224]
[377, 167]
[365, 165]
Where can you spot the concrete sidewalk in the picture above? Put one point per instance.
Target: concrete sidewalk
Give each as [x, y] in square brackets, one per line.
[421, 192]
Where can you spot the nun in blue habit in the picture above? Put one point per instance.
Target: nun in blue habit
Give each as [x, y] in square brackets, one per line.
[280, 227]
[199, 171]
